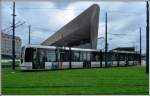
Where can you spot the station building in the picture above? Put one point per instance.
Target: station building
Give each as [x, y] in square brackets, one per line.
[81, 32]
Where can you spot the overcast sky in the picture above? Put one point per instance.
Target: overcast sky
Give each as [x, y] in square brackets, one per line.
[46, 17]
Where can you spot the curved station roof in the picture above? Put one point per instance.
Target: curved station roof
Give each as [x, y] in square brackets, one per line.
[81, 32]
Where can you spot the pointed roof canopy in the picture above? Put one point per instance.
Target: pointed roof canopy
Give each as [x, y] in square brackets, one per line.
[81, 30]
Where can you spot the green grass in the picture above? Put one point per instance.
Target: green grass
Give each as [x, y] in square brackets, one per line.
[121, 80]
[9, 62]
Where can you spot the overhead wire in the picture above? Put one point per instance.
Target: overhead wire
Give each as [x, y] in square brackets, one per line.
[51, 8]
[111, 12]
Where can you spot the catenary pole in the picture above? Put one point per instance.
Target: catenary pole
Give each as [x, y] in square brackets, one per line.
[29, 33]
[140, 47]
[106, 44]
[147, 38]
[13, 38]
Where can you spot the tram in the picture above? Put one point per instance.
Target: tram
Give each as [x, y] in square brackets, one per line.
[39, 57]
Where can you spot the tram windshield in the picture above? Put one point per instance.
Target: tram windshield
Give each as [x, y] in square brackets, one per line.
[29, 54]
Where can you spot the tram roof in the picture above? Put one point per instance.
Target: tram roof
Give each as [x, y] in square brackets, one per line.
[39, 46]
[54, 47]
[76, 49]
[127, 52]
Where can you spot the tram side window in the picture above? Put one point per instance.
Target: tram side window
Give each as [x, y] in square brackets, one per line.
[84, 56]
[75, 56]
[29, 55]
[41, 55]
[63, 55]
[121, 57]
[88, 56]
[109, 56]
[81, 56]
[95, 56]
[113, 57]
[130, 57]
[51, 55]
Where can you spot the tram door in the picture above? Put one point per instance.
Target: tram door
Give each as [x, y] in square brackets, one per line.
[39, 61]
[86, 60]
[30, 56]
[34, 62]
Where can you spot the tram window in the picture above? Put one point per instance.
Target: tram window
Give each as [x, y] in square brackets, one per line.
[95, 57]
[131, 57]
[88, 56]
[113, 57]
[128, 57]
[103, 56]
[41, 55]
[121, 57]
[109, 57]
[64, 55]
[84, 56]
[76, 56]
[51, 55]
[81, 56]
[29, 54]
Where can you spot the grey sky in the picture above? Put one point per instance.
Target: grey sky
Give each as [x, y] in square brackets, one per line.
[46, 17]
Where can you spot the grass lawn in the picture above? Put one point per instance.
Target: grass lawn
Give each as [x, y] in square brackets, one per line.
[118, 80]
[9, 62]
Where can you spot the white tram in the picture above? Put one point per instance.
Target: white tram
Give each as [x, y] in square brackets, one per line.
[39, 57]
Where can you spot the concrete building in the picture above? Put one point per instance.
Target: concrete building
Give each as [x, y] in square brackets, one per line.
[81, 32]
[6, 46]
